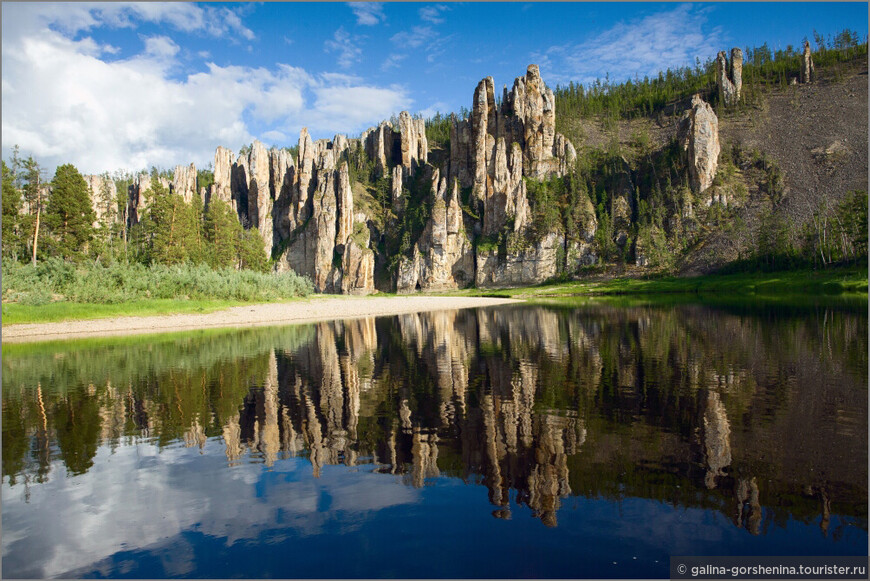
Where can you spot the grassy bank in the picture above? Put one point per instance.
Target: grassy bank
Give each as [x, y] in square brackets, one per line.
[800, 282]
[14, 313]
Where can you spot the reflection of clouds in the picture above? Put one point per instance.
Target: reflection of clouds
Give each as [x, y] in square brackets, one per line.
[72, 522]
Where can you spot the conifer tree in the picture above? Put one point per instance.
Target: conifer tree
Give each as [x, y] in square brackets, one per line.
[11, 214]
[222, 232]
[69, 214]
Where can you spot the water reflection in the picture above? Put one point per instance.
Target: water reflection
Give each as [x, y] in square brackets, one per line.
[758, 417]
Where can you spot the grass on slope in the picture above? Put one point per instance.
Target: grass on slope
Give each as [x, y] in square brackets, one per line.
[833, 281]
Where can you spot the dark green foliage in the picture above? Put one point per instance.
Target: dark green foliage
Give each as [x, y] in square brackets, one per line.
[438, 131]
[544, 198]
[252, 254]
[204, 178]
[221, 230]
[167, 228]
[644, 97]
[12, 246]
[69, 215]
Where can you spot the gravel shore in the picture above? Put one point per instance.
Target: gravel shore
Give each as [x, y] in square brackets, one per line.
[305, 311]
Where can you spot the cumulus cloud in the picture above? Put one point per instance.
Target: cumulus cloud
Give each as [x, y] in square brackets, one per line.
[346, 46]
[63, 103]
[639, 47]
[368, 13]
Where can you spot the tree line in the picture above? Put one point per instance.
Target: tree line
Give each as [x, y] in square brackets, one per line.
[61, 217]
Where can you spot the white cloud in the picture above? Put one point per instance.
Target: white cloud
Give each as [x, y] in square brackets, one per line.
[393, 61]
[63, 104]
[643, 46]
[74, 17]
[86, 518]
[414, 38]
[346, 47]
[433, 13]
[368, 13]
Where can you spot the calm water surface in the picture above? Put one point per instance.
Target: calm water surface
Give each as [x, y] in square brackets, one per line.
[558, 440]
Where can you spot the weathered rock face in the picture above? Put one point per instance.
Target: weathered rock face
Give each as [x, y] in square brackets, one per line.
[378, 144]
[491, 152]
[184, 182]
[443, 257]
[139, 196]
[698, 135]
[527, 116]
[522, 265]
[104, 195]
[223, 174]
[414, 146]
[260, 196]
[358, 269]
[729, 76]
[808, 70]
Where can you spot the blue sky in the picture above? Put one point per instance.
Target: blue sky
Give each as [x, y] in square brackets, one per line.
[110, 86]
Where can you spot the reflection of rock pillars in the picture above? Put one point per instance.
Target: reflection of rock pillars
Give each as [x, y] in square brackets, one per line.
[195, 435]
[747, 492]
[424, 450]
[232, 439]
[498, 488]
[405, 416]
[270, 439]
[113, 414]
[826, 512]
[314, 438]
[524, 386]
[548, 482]
[391, 445]
[717, 443]
[331, 393]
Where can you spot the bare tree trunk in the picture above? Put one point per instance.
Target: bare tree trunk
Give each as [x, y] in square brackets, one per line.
[36, 230]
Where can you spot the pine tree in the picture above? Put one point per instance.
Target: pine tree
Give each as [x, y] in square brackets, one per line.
[11, 214]
[69, 215]
[252, 256]
[222, 232]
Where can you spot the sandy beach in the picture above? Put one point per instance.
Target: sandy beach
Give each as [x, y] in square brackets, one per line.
[314, 309]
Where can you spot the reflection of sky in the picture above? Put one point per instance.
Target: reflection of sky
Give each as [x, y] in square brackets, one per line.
[141, 513]
[137, 497]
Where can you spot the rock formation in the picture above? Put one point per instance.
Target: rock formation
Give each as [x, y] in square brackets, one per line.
[139, 196]
[222, 189]
[260, 197]
[729, 76]
[104, 196]
[184, 182]
[699, 138]
[442, 257]
[808, 70]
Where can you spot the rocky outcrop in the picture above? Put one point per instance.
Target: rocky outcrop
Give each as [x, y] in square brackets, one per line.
[522, 264]
[698, 135]
[260, 196]
[526, 116]
[358, 269]
[442, 258]
[184, 182]
[222, 188]
[808, 70]
[139, 196]
[378, 145]
[729, 76]
[104, 195]
[414, 146]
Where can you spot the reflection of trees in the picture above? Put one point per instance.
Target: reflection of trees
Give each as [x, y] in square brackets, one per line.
[684, 405]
